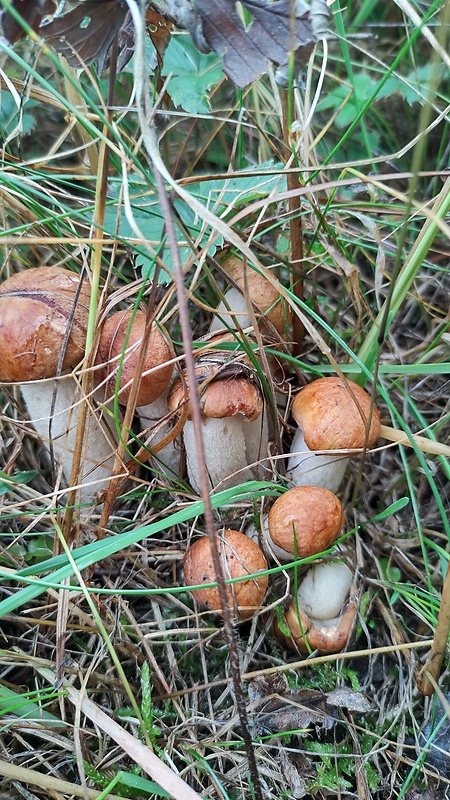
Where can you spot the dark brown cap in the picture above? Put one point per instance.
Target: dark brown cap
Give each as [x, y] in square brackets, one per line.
[221, 397]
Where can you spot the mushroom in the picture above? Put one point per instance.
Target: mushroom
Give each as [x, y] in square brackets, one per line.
[118, 354]
[303, 522]
[323, 616]
[232, 311]
[239, 557]
[43, 321]
[119, 350]
[332, 414]
[234, 426]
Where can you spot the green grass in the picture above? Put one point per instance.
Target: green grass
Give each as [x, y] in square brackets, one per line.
[369, 140]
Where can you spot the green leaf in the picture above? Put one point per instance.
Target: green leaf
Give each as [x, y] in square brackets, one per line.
[392, 509]
[148, 218]
[7, 481]
[21, 706]
[363, 89]
[223, 197]
[39, 549]
[144, 785]
[415, 87]
[12, 116]
[193, 75]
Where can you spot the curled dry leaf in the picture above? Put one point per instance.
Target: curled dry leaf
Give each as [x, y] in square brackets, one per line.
[32, 11]
[86, 33]
[276, 29]
[277, 709]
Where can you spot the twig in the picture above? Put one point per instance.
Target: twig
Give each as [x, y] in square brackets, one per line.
[295, 221]
[429, 674]
[421, 442]
[30, 777]
[150, 143]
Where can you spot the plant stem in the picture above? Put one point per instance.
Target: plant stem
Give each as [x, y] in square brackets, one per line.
[414, 440]
[429, 674]
[150, 143]
[295, 221]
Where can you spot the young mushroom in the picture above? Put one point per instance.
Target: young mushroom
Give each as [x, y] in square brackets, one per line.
[302, 522]
[234, 426]
[251, 286]
[119, 350]
[43, 322]
[323, 616]
[331, 414]
[239, 557]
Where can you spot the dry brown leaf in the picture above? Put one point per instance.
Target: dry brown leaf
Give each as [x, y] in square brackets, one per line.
[278, 709]
[276, 29]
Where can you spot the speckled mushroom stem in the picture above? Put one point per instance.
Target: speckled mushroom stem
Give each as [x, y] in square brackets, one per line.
[54, 407]
[234, 426]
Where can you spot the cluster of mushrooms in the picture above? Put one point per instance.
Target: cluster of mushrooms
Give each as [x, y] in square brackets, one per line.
[43, 321]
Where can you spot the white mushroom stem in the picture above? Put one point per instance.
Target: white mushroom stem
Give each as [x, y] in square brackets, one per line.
[149, 416]
[324, 590]
[307, 468]
[256, 435]
[57, 427]
[231, 312]
[271, 550]
[322, 619]
[225, 448]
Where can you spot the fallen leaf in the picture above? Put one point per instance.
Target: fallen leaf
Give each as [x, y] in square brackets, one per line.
[32, 11]
[276, 29]
[277, 709]
[349, 699]
[159, 30]
[86, 33]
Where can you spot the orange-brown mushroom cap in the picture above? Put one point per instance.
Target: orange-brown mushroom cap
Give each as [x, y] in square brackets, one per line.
[220, 398]
[327, 636]
[36, 306]
[305, 520]
[239, 556]
[111, 354]
[261, 292]
[333, 415]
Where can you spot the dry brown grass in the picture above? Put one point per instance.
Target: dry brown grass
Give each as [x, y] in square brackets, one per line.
[98, 645]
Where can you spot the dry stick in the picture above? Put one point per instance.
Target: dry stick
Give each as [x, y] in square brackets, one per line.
[429, 674]
[31, 777]
[150, 142]
[208, 513]
[422, 442]
[295, 222]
